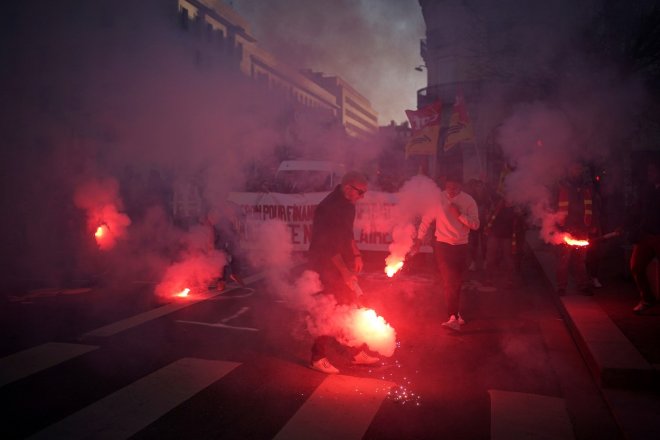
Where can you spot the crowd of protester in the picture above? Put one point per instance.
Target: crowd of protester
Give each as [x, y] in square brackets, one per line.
[496, 247]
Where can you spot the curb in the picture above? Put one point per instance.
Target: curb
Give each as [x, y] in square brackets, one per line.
[612, 358]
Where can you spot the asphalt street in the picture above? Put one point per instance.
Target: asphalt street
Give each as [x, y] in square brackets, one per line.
[114, 363]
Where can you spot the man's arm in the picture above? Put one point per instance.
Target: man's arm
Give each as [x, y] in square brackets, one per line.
[424, 226]
[349, 277]
[421, 232]
[470, 217]
[357, 257]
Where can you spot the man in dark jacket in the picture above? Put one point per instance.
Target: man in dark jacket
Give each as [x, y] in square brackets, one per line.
[334, 255]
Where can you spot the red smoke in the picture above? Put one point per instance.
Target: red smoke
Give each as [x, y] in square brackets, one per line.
[414, 199]
[100, 200]
[193, 272]
[350, 324]
[198, 266]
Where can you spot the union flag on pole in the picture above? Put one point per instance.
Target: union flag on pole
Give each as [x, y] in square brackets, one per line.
[460, 126]
[425, 124]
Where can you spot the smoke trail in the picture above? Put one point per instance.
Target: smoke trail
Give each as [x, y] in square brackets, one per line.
[351, 325]
[198, 264]
[101, 202]
[415, 198]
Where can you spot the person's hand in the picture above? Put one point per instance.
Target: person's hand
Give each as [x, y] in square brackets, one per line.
[350, 279]
[453, 210]
[359, 263]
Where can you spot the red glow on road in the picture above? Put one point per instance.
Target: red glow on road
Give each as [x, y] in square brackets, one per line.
[569, 240]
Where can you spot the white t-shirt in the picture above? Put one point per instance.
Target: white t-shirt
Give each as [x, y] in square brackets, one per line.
[449, 229]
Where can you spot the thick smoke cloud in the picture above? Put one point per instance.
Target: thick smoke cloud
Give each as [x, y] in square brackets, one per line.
[415, 199]
[350, 324]
[549, 102]
[102, 204]
[542, 139]
[99, 94]
[198, 265]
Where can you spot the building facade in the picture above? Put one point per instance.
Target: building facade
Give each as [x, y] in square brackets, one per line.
[355, 111]
[217, 24]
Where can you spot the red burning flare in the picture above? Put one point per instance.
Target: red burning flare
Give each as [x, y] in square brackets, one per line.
[374, 331]
[368, 321]
[101, 231]
[569, 240]
[184, 293]
[103, 236]
[393, 267]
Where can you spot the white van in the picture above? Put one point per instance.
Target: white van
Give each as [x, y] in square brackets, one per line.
[302, 176]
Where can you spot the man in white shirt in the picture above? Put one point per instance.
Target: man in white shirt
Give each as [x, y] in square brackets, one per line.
[455, 213]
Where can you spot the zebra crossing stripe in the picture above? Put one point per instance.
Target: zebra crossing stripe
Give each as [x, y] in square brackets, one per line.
[24, 363]
[134, 321]
[341, 407]
[135, 406]
[522, 415]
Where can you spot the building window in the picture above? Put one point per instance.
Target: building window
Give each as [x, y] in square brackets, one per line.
[209, 32]
[239, 51]
[184, 19]
[220, 38]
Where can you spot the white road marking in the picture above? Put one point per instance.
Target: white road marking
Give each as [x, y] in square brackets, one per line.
[47, 293]
[237, 314]
[127, 411]
[521, 415]
[222, 322]
[134, 321]
[342, 407]
[220, 325]
[24, 363]
[222, 298]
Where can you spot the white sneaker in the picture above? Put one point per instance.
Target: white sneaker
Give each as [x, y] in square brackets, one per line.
[362, 358]
[596, 282]
[324, 366]
[642, 307]
[452, 323]
[461, 321]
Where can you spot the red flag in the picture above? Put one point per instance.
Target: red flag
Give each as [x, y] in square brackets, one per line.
[425, 124]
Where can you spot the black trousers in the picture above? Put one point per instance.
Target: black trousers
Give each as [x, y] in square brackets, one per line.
[333, 285]
[451, 261]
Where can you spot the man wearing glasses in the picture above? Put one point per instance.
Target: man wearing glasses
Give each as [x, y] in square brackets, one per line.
[334, 255]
